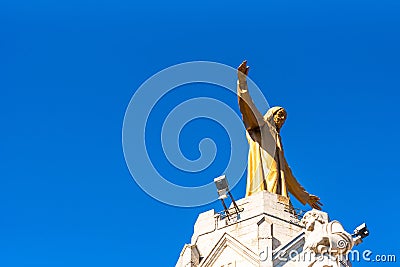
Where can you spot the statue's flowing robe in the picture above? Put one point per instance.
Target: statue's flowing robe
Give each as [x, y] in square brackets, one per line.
[267, 167]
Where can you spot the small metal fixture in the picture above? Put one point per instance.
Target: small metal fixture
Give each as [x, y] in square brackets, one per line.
[223, 191]
[360, 233]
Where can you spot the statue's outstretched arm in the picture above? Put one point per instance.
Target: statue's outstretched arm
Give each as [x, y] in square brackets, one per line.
[298, 191]
[251, 116]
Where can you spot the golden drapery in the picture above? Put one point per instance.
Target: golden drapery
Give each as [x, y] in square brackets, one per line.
[267, 166]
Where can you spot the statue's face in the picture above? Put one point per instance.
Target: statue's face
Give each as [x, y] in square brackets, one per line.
[279, 118]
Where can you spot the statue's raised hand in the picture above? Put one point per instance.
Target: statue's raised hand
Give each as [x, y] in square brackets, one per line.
[243, 70]
[314, 202]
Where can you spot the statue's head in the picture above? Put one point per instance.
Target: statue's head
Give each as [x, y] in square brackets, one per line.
[276, 116]
[312, 217]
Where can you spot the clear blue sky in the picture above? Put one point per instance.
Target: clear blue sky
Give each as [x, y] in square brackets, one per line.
[68, 71]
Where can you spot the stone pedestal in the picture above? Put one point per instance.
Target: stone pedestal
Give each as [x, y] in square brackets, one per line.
[265, 227]
[268, 233]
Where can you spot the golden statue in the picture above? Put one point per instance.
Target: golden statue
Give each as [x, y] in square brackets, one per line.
[267, 167]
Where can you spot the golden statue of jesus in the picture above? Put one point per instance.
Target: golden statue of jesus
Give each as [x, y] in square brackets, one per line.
[267, 167]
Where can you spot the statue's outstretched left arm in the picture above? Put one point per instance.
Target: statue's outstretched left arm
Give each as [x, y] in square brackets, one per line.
[298, 191]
